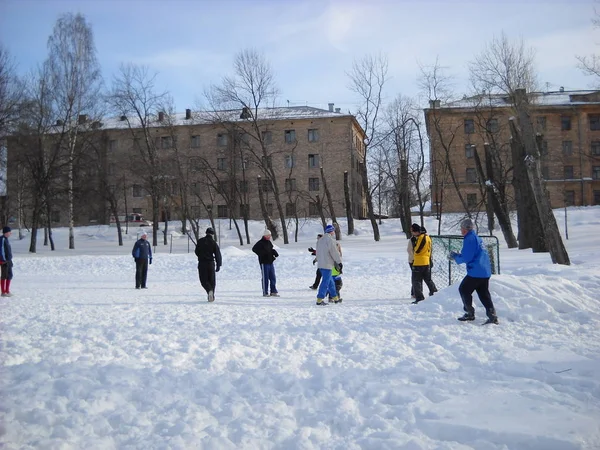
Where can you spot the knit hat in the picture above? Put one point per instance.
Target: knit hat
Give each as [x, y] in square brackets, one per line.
[144, 234]
[209, 230]
[6, 230]
[267, 232]
[329, 229]
[415, 227]
[467, 224]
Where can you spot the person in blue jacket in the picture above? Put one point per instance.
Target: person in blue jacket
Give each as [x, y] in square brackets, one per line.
[142, 254]
[479, 271]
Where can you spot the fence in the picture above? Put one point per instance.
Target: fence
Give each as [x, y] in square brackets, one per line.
[445, 272]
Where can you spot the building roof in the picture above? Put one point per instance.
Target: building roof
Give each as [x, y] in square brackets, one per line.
[552, 98]
[207, 117]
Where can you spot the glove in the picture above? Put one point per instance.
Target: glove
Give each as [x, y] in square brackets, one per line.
[218, 268]
[451, 256]
[314, 261]
[150, 261]
[339, 267]
[312, 250]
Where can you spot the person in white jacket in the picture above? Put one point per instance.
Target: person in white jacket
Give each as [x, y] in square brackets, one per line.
[328, 257]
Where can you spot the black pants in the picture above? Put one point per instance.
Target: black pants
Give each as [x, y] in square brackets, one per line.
[420, 274]
[206, 272]
[317, 278]
[141, 272]
[6, 270]
[481, 285]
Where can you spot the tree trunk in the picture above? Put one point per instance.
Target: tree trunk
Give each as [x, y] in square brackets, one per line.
[349, 216]
[268, 222]
[486, 189]
[370, 213]
[338, 235]
[405, 214]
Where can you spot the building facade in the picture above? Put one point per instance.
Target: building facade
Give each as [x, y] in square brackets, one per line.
[212, 164]
[568, 123]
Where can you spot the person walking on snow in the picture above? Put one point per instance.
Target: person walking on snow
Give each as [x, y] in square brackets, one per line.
[208, 253]
[266, 256]
[313, 252]
[336, 274]
[6, 264]
[328, 256]
[421, 266]
[478, 275]
[142, 254]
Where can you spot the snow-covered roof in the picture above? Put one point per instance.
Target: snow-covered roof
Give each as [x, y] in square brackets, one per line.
[235, 115]
[554, 98]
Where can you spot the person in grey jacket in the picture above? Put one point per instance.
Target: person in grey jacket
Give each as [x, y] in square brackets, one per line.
[328, 256]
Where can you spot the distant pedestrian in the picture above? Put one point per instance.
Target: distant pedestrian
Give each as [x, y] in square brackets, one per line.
[336, 274]
[410, 249]
[421, 266]
[479, 271]
[328, 256]
[208, 253]
[266, 256]
[6, 263]
[313, 252]
[142, 254]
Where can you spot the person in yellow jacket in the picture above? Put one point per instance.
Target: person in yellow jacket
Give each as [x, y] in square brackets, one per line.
[421, 266]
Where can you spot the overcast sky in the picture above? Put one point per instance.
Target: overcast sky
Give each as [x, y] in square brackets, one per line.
[310, 44]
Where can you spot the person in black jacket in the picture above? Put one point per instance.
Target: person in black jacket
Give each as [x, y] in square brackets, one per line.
[266, 256]
[6, 262]
[142, 254]
[208, 253]
[313, 252]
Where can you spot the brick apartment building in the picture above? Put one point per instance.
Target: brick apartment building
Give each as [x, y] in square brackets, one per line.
[568, 121]
[216, 155]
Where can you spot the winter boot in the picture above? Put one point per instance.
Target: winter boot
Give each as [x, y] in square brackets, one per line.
[211, 296]
[493, 320]
[320, 302]
[467, 317]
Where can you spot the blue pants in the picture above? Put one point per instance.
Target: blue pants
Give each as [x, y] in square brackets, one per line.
[327, 284]
[268, 275]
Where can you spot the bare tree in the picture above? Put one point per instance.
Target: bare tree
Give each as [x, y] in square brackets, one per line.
[11, 92]
[76, 80]
[134, 97]
[249, 90]
[367, 79]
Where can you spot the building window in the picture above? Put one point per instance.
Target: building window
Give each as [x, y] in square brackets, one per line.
[290, 136]
[469, 126]
[569, 198]
[290, 184]
[195, 141]
[471, 200]
[567, 148]
[596, 173]
[313, 184]
[243, 186]
[269, 208]
[221, 140]
[244, 210]
[568, 170]
[221, 163]
[290, 209]
[222, 211]
[266, 185]
[313, 161]
[565, 123]
[113, 145]
[111, 168]
[471, 175]
[166, 142]
[545, 172]
[596, 148]
[492, 125]
[290, 161]
[594, 122]
[541, 123]
[136, 210]
[469, 151]
[596, 197]
[267, 137]
[313, 135]
[137, 190]
[313, 210]
[55, 216]
[267, 162]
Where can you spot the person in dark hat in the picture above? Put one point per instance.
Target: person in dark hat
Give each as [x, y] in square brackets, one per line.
[421, 265]
[209, 254]
[266, 257]
[6, 264]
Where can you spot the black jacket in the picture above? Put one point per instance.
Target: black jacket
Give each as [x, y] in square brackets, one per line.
[5, 250]
[265, 251]
[208, 250]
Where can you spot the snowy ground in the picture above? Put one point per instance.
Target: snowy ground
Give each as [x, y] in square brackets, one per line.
[88, 362]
